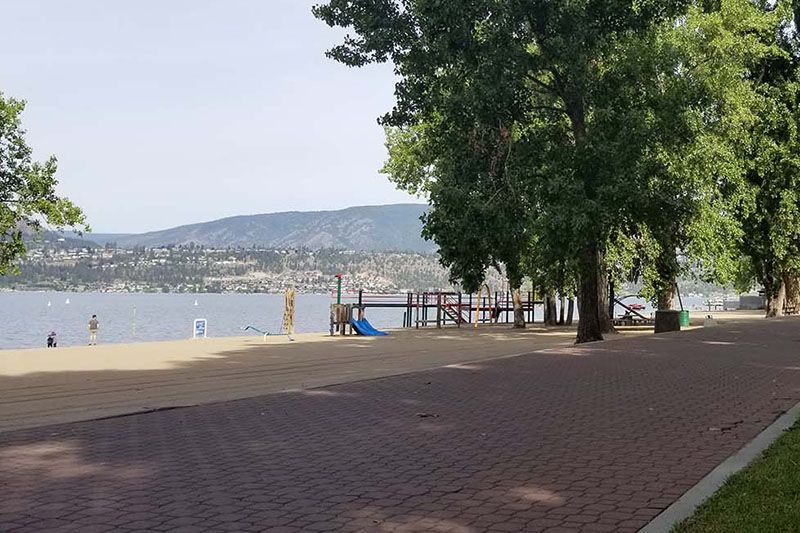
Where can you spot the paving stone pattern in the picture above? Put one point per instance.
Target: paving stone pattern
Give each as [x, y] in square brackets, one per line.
[597, 438]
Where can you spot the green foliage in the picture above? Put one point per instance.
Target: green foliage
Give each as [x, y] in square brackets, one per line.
[518, 103]
[647, 138]
[28, 200]
[476, 216]
[696, 131]
[772, 241]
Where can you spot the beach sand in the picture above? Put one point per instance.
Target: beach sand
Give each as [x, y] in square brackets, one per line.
[49, 386]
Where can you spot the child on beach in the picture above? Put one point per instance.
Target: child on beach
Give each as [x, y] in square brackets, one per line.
[52, 341]
[94, 325]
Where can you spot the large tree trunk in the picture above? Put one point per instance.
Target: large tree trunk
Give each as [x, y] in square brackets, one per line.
[791, 281]
[667, 269]
[570, 311]
[590, 323]
[519, 312]
[550, 317]
[666, 298]
[515, 283]
[775, 291]
[603, 301]
[561, 309]
[589, 308]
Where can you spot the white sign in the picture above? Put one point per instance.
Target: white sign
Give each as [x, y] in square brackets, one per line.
[199, 330]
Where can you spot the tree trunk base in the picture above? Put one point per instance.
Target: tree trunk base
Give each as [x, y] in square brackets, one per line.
[776, 300]
[583, 338]
[791, 282]
[589, 326]
[519, 312]
[668, 320]
[570, 311]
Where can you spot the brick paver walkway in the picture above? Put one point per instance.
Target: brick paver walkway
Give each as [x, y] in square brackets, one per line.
[598, 438]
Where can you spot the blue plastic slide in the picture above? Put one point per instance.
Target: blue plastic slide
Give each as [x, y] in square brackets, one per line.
[363, 327]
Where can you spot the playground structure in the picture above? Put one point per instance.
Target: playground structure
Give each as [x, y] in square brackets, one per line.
[431, 308]
[287, 323]
[342, 320]
[363, 327]
[257, 330]
[445, 309]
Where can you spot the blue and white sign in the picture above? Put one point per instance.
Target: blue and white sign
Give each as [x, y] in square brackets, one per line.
[200, 328]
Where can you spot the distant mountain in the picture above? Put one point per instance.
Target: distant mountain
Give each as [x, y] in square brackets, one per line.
[369, 228]
[56, 239]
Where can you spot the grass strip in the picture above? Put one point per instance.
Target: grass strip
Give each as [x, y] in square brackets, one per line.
[764, 497]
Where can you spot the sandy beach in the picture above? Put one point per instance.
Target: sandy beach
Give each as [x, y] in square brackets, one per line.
[42, 386]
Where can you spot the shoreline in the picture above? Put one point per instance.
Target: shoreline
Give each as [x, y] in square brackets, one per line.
[93, 291]
[721, 318]
[246, 339]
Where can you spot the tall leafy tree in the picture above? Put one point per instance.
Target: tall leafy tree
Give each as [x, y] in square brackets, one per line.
[696, 125]
[478, 213]
[771, 243]
[557, 62]
[28, 199]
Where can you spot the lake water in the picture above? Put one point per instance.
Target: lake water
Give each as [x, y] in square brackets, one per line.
[27, 317]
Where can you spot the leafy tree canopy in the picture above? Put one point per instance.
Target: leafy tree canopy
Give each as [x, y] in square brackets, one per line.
[28, 199]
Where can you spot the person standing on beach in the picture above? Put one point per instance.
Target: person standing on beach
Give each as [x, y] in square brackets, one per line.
[94, 325]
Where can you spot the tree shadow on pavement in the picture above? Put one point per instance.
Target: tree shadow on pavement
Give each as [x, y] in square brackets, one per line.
[602, 442]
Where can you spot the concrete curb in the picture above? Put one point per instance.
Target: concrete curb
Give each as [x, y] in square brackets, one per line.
[686, 505]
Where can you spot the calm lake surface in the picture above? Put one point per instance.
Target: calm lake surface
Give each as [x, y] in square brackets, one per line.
[27, 317]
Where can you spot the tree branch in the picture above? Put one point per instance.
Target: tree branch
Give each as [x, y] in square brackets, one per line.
[546, 86]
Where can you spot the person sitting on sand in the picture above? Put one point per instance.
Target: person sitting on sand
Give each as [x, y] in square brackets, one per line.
[52, 341]
[94, 325]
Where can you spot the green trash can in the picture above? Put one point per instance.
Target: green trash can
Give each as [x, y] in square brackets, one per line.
[684, 319]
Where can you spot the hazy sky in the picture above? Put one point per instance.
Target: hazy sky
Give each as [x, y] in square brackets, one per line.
[170, 112]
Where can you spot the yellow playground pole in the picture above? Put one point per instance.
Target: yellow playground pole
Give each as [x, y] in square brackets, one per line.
[478, 306]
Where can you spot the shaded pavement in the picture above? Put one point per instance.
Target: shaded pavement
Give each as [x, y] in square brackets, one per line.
[42, 387]
[592, 438]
